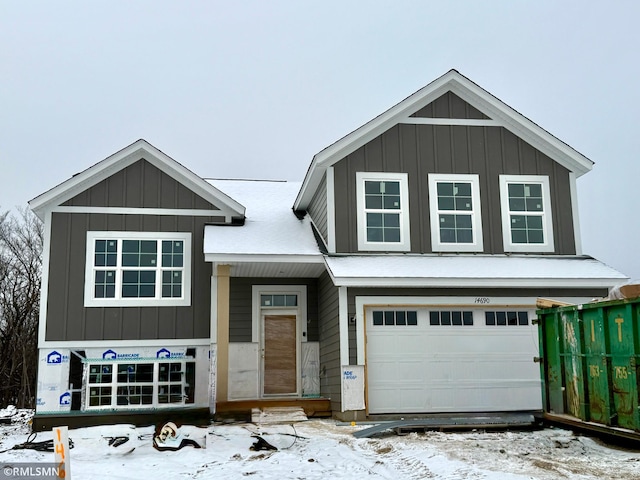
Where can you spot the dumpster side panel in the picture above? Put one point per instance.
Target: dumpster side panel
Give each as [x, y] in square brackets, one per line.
[622, 320]
[551, 365]
[591, 362]
[595, 344]
[573, 361]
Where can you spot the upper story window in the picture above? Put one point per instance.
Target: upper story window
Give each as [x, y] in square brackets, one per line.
[456, 221]
[383, 211]
[138, 269]
[527, 224]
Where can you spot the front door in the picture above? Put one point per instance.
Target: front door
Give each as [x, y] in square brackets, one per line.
[280, 356]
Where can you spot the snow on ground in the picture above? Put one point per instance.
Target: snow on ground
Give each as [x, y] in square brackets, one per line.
[321, 449]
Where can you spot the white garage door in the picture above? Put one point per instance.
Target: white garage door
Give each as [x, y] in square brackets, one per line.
[451, 359]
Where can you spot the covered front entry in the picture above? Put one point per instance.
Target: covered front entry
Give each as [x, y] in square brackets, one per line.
[451, 358]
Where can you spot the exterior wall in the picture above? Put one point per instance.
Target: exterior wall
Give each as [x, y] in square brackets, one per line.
[318, 209]
[240, 308]
[330, 371]
[422, 149]
[140, 185]
[473, 292]
[449, 105]
[69, 320]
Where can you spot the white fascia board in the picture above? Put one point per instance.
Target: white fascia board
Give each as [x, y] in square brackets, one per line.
[477, 282]
[261, 258]
[521, 126]
[83, 344]
[122, 159]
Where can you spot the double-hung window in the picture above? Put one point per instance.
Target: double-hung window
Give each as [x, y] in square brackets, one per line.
[456, 221]
[383, 211]
[138, 269]
[527, 225]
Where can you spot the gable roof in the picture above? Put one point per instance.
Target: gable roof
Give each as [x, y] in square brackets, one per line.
[141, 149]
[452, 81]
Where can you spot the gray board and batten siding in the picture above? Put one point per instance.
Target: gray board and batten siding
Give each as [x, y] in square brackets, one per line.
[241, 308]
[419, 150]
[141, 185]
[318, 209]
[450, 105]
[69, 320]
[329, 331]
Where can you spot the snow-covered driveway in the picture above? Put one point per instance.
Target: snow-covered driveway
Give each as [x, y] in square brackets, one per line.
[321, 449]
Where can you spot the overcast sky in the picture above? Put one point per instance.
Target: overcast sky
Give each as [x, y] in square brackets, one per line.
[253, 89]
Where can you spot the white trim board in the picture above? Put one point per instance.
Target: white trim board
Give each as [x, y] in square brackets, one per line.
[262, 258]
[466, 122]
[143, 211]
[257, 290]
[84, 344]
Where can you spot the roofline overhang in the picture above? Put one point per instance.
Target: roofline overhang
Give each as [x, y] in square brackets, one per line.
[476, 282]
[469, 91]
[232, 258]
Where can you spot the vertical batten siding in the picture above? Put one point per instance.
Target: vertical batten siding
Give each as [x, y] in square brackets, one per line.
[329, 312]
[422, 149]
[67, 317]
[449, 105]
[318, 209]
[241, 309]
[140, 185]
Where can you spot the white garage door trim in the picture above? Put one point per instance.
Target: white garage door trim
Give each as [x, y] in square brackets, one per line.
[451, 385]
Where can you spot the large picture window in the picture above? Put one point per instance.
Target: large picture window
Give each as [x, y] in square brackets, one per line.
[456, 221]
[526, 213]
[137, 268]
[383, 211]
[140, 384]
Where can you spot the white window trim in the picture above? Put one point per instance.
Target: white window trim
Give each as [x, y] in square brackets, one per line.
[155, 383]
[405, 242]
[257, 333]
[547, 219]
[257, 309]
[477, 244]
[89, 279]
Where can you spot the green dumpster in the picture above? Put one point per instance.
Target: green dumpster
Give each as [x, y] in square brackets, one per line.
[589, 362]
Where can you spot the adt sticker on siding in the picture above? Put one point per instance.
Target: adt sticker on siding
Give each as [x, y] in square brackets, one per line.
[352, 387]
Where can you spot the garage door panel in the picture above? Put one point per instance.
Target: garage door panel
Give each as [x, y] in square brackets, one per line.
[451, 368]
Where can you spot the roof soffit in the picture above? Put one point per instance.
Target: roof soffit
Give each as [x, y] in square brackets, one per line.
[468, 91]
[138, 150]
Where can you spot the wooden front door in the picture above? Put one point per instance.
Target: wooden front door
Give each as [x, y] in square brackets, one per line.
[280, 356]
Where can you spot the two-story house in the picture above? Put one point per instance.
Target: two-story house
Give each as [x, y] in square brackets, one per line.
[400, 276]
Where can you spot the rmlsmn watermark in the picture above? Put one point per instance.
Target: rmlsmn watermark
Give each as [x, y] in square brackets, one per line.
[21, 471]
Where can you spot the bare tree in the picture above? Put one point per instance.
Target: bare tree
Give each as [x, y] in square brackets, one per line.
[21, 241]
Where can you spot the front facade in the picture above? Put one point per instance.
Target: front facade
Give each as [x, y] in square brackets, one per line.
[404, 279]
